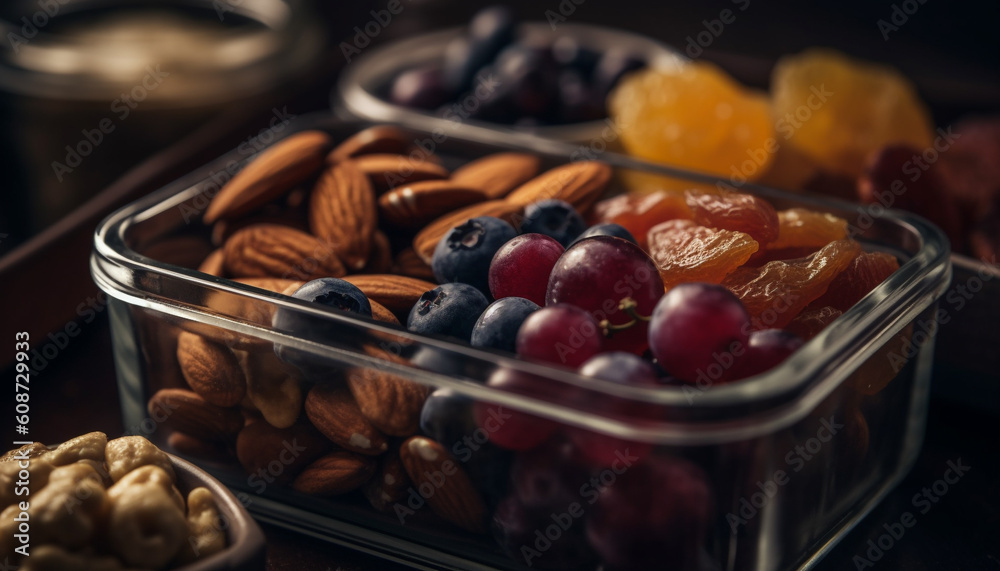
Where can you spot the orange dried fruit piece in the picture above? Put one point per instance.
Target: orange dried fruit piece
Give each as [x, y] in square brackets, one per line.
[776, 292]
[764, 256]
[686, 252]
[865, 272]
[694, 115]
[734, 211]
[638, 213]
[812, 320]
[839, 110]
[802, 228]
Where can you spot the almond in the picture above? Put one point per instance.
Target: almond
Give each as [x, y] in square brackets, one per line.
[389, 483]
[396, 293]
[498, 174]
[193, 446]
[336, 473]
[580, 184]
[273, 173]
[279, 453]
[380, 139]
[408, 263]
[380, 257]
[185, 411]
[427, 239]
[342, 212]
[270, 250]
[214, 264]
[293, 218]
[382, 313]
[333, 412]
[454, 498]
[392, 403]
[211, 370]
[414, 205]
[388, 171]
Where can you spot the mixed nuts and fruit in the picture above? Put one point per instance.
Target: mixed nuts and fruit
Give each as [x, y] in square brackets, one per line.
[649, 290]
[829, 123]
[102, 505]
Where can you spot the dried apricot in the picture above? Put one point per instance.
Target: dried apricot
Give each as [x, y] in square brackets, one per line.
[764, 256]
[801, 228]
[862, 275]
[777, 291]
[812, 320]
[686, 252]
[694, 116]
[839, 110]
[734, 211]
[638, 213]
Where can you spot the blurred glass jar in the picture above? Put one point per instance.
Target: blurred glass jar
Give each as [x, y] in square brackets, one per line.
[92, 87]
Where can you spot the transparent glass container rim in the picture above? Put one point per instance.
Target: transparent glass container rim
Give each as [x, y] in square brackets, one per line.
[353, 88]
[807, 377]
[291, 19]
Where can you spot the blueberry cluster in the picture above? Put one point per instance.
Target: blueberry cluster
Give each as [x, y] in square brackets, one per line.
[537, 82]
[485, 258]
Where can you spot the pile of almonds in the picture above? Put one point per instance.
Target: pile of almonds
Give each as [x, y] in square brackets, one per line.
[370, 210]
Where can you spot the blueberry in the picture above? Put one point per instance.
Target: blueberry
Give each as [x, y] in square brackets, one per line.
[331, 292]
[568, 53]
[553, 218]
[493, 26]
[497, 326]
[607, 229]
[447, 417]
[489, 32]
[528, 76]
[577, 101]
[422, 88]
[449, 309]
[495, 104]
[464, 254]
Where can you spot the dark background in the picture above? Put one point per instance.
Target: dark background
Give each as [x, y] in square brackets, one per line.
[949, 49]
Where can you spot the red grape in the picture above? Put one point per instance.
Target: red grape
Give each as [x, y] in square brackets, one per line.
[655, 516]
[698, 331]
[513, 429]
[521, 267]
[597, 274]
[560, 334]
[601, 450]
[765, 350]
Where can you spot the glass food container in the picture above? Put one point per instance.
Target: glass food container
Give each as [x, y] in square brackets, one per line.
[360, 91]
[767, 473]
